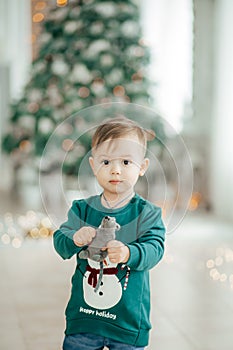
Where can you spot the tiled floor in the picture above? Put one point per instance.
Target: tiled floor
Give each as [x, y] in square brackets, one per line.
[191, 310]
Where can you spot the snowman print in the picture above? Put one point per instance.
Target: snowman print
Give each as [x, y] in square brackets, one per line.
[110, 291]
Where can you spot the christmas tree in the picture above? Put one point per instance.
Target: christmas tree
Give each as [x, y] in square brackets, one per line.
[91, 52]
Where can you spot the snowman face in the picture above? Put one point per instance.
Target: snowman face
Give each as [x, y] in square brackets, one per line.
[109, 292]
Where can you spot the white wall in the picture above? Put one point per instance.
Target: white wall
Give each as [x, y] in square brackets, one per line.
[203, 68]
[15, 58]
[167, 26]
[15, 41]
[222, 130]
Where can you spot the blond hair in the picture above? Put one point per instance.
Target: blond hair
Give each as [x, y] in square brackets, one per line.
[117, 127]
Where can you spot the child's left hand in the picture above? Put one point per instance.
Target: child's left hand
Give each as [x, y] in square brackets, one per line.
[117, 252]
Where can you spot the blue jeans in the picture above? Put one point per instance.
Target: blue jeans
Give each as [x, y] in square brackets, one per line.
[88, 341]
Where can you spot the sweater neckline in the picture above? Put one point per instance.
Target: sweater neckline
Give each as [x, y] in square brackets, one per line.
[100, 207]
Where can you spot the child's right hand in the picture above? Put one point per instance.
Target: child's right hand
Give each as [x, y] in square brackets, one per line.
[84, 236]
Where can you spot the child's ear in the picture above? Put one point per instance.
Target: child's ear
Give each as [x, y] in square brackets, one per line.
[144, 166]
[91, 162]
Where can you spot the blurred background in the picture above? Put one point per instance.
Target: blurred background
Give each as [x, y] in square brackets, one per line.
[174, 60]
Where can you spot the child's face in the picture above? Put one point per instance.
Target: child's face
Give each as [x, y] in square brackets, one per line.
[118, 163]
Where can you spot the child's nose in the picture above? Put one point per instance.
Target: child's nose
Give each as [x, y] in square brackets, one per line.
[116, 168]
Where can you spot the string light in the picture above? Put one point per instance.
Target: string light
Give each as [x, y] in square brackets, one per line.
[84, 92]
[210, 263]
[39, 11]
[5, 239]
[119, 90]
[136, 77]
[33, 107]
[33, 38]
[195, 201]
[220, 265]
[144, 42]
[40, 5]
[16, 242]
[68, 145]
[13, 231]
[62, 3]
[38, 17]
[25, 146]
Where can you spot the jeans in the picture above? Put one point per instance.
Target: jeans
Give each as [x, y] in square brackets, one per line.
[88, 341]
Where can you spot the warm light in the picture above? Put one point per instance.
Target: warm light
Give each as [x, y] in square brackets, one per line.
[34, 232]
[33, 107]
[31, 224]
[143, 42]
[215, 274]
[68, 145]
[33, 38]
[223, 277]
[84, 92]
[62, 2]
[43, 232]
[210, 264]
[195, 201]
[98, 81]
[16, 242]
[5, 239]
[25, 146]
[119, 90]
[40, 5]
[217, 265]
[137, 77]
[38, 17]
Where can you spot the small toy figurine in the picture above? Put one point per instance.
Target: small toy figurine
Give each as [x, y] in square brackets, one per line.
[104, 234]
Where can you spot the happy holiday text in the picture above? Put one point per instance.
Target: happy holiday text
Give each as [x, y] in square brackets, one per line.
[97, 313]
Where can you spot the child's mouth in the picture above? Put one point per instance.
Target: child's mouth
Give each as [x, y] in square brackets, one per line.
[115, 182]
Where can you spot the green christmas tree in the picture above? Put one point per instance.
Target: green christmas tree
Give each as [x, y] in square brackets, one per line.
[91, 52]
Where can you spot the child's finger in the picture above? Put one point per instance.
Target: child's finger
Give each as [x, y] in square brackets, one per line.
[104, 248]
[114, 244]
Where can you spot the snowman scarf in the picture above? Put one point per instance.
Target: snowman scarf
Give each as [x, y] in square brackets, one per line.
[93, 277]
[95, 282]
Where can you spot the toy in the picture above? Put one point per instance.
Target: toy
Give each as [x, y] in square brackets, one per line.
[104, 234]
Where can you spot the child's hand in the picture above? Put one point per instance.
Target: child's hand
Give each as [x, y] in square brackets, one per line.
[117, 252]
[84, 236]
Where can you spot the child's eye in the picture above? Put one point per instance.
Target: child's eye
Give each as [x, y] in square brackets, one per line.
[106, 162]
[126, 162]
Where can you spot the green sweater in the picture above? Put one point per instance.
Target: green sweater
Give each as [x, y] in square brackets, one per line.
[117, 310]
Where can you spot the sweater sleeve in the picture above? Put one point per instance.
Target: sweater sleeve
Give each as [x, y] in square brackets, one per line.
[148, 250]
[63, 237]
